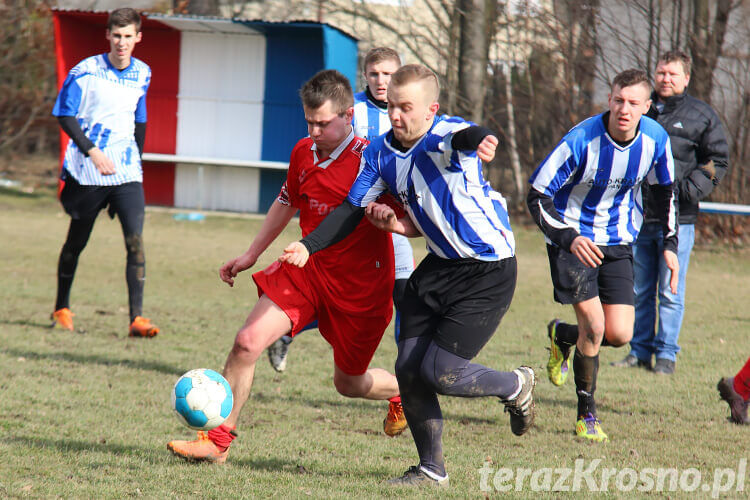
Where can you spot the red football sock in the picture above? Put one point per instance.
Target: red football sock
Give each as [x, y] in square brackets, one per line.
[742, 381]
[395, 399]
[222, 436]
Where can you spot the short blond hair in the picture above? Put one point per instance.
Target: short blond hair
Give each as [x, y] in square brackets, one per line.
[417, 73]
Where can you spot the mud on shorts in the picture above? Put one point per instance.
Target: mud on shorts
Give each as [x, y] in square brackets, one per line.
[612, 281]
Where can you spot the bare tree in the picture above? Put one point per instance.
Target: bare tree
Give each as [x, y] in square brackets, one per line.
[27, 86]
[706, 41]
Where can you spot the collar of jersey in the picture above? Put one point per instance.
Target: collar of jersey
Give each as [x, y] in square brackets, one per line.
[408, 151]
[111, 66]
[334, 154]
[614, 142]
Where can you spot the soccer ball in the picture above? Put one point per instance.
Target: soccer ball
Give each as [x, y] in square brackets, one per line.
[202, 399]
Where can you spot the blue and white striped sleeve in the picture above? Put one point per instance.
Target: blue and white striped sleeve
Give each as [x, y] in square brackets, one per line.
[369, 185]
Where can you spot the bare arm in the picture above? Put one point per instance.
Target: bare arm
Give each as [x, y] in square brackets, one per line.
[276, 220]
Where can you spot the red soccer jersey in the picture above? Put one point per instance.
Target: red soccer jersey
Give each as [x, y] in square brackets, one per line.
[356, 274]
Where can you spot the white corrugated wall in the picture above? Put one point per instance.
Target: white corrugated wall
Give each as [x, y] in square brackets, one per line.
[220, 115]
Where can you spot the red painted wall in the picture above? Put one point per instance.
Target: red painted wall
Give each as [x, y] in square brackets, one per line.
[82, 34]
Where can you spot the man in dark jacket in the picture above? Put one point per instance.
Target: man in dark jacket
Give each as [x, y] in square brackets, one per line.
[701, 158]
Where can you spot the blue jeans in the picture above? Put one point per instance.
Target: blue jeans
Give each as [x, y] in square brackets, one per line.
[652, 277]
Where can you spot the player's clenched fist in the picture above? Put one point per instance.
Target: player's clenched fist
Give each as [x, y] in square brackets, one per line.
[486, 148]
[235, 266]
[295, 254]
[381, 216]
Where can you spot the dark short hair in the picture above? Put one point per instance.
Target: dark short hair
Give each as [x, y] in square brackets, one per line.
[378, 54]
[327, 85]
[631, 77]
[677, 56]
[416, 73]
[124, 17]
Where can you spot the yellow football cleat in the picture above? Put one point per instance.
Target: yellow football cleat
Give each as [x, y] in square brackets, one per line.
[589, 427]
[557, 365]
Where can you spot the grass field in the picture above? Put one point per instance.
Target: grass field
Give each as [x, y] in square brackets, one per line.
[87, 414]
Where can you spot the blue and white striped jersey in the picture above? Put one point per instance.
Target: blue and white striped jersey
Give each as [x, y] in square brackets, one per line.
[442, 190]
[369, 120]
[107, 102]
[595, 184]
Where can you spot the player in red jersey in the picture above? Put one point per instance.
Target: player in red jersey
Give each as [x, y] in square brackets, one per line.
[347, 288]
[736, 392]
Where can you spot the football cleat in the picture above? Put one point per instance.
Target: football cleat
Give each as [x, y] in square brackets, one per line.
[589, 427]
[142, 327]
[277, 353]
[521, 408]
[557, 365]
[200, 450]
[415, 476]
[395, 422]
[63, 318]
[737, 405]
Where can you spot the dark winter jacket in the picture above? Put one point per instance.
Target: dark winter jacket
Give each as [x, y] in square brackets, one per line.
[697, 138]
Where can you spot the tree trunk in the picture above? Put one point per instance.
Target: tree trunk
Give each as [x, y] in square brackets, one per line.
[515, 161]
[706, 43]
[472, 60]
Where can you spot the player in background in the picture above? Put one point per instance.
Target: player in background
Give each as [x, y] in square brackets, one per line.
[370, 120]
[456, 297]
[736, 392]
[586, 198]
[346, 289]
[102, 108]
[701, 157]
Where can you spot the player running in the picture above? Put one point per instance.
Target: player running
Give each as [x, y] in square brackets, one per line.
[586, 198]
[456, 297]
[736, 392]
[369, 121]
[102, 108]
[346, 288]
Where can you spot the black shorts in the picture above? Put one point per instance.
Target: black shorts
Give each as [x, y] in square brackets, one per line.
[612, 281]
[459, 303]
[85, 202]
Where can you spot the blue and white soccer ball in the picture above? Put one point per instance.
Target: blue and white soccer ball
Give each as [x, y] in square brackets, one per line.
[202, 399]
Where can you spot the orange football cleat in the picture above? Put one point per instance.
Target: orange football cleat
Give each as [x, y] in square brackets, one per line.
[200, 450]
[395, 423]
[142, 327]
[63, 318]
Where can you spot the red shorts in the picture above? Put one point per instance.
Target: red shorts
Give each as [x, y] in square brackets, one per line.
[353, 338]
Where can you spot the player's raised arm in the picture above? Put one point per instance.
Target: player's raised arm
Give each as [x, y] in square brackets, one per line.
[334, 228]
[476, 138]
[276, 220]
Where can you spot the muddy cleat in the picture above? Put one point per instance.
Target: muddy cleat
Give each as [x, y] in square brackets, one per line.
[277, 353]
[557, 366]
[416, 476]
[521, 408]
[63, 318]
[737, 405]
[200, 450]
[142, 327]
[589, 427]
[395, 423]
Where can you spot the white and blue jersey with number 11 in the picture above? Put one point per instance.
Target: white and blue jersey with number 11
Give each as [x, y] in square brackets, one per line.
[107, 103]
